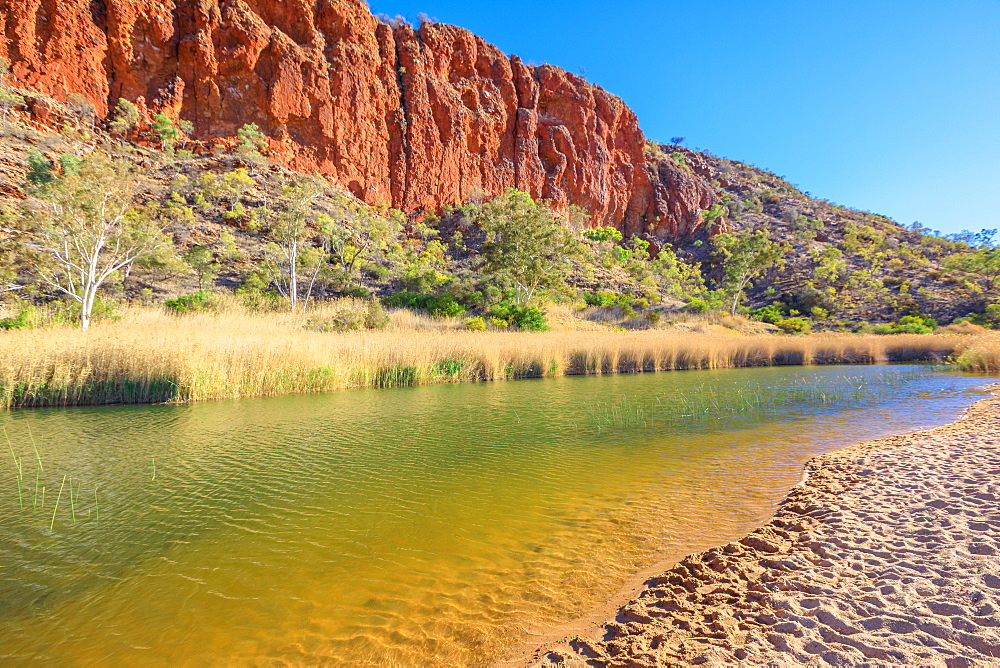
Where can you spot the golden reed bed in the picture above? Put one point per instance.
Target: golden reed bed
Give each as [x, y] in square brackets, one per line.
[151, 356]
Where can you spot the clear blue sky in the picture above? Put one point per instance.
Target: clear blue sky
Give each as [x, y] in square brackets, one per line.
[888, 106]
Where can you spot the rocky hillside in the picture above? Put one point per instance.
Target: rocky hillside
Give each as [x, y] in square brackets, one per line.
[856, 265]
[417, 119]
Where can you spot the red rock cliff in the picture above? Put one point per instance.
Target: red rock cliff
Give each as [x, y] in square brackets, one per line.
[416, 118]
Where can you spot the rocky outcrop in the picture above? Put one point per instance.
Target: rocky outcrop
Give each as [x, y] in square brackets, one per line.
[418, 119]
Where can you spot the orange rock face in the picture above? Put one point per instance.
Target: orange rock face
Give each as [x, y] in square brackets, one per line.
[418, 119]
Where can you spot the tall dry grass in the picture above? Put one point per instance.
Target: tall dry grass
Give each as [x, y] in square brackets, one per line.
[982, 354]
[152, 356]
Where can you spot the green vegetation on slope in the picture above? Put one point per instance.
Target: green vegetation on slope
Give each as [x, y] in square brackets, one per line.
[105, 221]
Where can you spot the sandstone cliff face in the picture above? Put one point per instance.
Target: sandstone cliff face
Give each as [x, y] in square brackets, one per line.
[418, 119]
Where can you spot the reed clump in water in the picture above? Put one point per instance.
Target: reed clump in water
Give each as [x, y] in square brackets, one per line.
[708, 404]
[150, 356]
[75, 484]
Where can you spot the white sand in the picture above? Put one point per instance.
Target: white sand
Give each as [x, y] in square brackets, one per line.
[887, 555]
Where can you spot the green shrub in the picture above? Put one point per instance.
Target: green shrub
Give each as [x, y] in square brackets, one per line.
[236, 213]
[105, 308]
[713, 213]
[203, 300]
[864, 327]
[924, 320]
[437, 305]
[351, 316]
[357, 292]
[910, 324]
[608, 299]
[476, 324]
[376, 317]
[40, 174]
[601, 234]
[603, 298]
[795, 325]
[809, 297]
[990, 317]
[697, 305]
[26, 318]
[903, 329]
[528, 318]
[771, 314]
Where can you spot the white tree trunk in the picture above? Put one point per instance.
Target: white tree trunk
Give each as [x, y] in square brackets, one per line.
[293, 275]
[87, 306]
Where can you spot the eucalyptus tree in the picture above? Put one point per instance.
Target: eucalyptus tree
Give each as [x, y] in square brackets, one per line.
[527, 247]
[746, 256]
[291, 255]
[82, 227]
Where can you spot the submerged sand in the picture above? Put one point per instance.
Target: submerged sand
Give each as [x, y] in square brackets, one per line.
[886, 555]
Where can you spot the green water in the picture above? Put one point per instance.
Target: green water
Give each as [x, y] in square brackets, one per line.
[420, 526]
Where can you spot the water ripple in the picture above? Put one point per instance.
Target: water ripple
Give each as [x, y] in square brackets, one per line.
[421, 526]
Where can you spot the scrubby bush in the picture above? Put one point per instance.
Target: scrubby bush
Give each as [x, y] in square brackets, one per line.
[697, 305]
[602, 234]
[437, 305]
[608, 299]
[357, 292]
[795, 325]
[910, 324]
[476, 324]
[39, 174]
[26, 318]
[252, 142]
[990, 317]
[203, 300]
[809, 297]
[376, 317]
[166, 131]
[351, 315]
[771, 314]
[603, 298]
[714, 213]
[528, 318]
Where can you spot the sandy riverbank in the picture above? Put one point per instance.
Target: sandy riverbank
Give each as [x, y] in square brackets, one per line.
[888, 554]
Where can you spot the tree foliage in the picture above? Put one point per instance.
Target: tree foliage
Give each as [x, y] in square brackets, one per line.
[83, 228]
[356, 235]
[294, 262]
[166, 131]
[126, 119]
[252, 143]
[982, 268]
[527, 248]
[745, 257]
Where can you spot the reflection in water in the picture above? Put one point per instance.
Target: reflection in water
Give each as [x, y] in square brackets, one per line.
[416, 526]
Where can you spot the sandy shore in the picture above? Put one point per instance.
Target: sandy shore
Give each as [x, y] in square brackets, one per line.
[888, 554]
